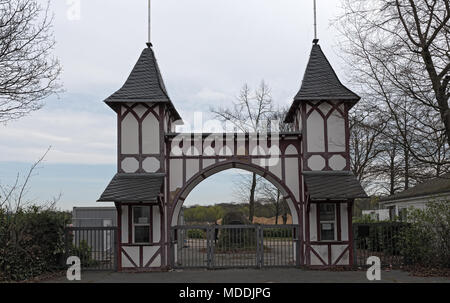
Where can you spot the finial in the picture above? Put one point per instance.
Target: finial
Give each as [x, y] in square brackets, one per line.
[315, 22]
[315, 41]
[149, 23]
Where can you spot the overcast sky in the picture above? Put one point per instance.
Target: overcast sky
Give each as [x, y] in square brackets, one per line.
[206, 50]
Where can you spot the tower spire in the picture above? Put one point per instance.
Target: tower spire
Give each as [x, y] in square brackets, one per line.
[315, 23]
[149, 43]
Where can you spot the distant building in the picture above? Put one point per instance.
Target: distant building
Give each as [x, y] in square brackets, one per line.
[437, 189]
[94, 216]
[99, 241]
[377, 214]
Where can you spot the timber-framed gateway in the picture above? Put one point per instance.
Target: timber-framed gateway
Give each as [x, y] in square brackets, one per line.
[157, 168]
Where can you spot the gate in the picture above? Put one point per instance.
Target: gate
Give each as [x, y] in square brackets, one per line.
[235, 246]
[383, 240]
[95, 246]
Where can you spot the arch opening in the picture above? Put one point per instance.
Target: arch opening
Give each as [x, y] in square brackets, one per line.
[194, 181]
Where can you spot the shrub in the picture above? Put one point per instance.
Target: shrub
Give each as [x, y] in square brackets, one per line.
[427, 239]
[230, 239]
[196, 234]
[31, 242]
[277, 233]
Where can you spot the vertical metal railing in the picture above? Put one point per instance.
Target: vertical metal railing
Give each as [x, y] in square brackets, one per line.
[235, 246]
[383, 240]
[95, 246]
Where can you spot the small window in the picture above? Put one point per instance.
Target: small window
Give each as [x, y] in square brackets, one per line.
[327, 217]
[392, 213]
[403, 214]
[141, 224]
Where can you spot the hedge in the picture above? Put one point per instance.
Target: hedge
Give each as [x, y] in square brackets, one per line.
[31, 242]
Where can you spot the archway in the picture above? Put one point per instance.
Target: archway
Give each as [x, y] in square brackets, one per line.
[242, 245]
[225, 165]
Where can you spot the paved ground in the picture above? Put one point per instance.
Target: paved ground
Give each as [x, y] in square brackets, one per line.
[291, 275]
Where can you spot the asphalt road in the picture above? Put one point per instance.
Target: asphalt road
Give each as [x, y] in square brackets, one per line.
[274, 275]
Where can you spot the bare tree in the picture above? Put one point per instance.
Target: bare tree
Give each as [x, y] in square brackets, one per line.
[28, 72]
[13, 196]
[251, 112]
[400, 50]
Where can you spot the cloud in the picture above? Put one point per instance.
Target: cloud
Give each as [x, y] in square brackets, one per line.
[75, 137]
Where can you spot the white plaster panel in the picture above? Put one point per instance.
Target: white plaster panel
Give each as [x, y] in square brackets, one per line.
[336, 132]
[308, 108]
[322, 250]
[126, 263]
[336, 251]
[315, 133]
[292, 176]
[315, 260]
[150, 135]
[156, 224]
[241, 151]
[124, 226]
[176, 174]
[176, 214]
[345, 260]
[133, 252]
[344, 222]
[316, 162]
[192, 166]
[290, 203]
[151, 165]
[156, 262]
[130, 165]
[208, 162]
[276, 169]
[140, 110]
[129, 135]
[325, 108]
[225, 151]
[337, 162]
[291, 150]
[313, 223]
[148, 252]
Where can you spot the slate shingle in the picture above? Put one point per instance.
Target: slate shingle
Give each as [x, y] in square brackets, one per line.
[431, 187]
[144, 84]
[320, 82]
[323, 185]
[133, 188]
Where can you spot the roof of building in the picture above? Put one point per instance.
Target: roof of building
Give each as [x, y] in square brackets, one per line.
[144, 84]
[133, 188]
[320, 82]
[431, 187]
[324, 185]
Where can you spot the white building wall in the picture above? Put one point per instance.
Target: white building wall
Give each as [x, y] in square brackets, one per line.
[150, 135]
[336, 132]
[315, 133]
[156, 224]
[124, 224]
[129, 135]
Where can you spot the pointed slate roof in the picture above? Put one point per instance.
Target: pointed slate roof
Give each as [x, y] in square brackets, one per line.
[144, 84]
[320, 82]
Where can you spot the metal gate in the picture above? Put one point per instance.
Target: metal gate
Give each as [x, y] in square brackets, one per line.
[235, 246]
[95, 246]
[383, 240]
